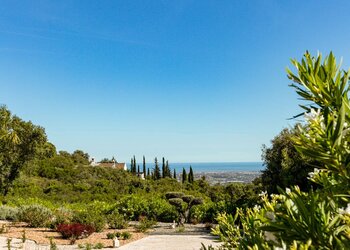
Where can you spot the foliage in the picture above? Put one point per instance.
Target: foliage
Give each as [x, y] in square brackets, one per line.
[35, 215]
[144, 224]
[183, 204]
[284, 165]
[75, 231]
[91, 217]
[8, 213]
[125, 235]
[62, 215]
[116, 220]
[317, 219]
[20, 142]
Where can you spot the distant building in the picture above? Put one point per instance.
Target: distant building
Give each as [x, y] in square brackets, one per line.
[110, 164]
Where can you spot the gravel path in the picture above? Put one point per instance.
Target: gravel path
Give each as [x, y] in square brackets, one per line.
[159, 242]
[171, 242]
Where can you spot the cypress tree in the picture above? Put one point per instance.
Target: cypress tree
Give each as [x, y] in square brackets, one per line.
[132, 165]
[148, 174]
[138, 169]
[163, 168]
[174, 174]
[144, 166]
[157, 174]
[184, 175]
[167, 170]
[190, 176]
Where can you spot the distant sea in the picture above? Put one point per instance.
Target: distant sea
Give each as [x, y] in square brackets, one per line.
[208, 167]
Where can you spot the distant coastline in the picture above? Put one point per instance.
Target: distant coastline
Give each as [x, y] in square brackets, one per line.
[214, 167]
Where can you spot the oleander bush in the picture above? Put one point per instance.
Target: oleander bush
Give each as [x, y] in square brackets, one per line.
[35, 215]
[320, 218]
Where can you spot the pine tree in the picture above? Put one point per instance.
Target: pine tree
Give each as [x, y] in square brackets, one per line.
[174, 174]
[157, 174]
[190, 176]
[184, 175]
[163, 169]
[144, 166]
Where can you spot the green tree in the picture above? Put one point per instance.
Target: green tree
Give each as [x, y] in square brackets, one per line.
[144, 166]
[20, 142]
[190, 175]
[183, 204]
[79, 157]
[156, 172]
[174, 176]
[163, 168]
[284, 165]
[184, 175]
[167, 169]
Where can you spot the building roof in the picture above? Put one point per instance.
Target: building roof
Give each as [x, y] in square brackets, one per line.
[112, 165]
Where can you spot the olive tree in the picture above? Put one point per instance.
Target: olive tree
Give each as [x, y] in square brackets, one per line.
[183, 204]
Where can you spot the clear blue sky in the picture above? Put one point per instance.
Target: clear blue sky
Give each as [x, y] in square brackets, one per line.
[193, 81]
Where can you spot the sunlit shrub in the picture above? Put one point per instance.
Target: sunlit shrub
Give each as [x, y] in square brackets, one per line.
[35, 215]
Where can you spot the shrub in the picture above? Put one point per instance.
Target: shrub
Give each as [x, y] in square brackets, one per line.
[35, 215]
[8, 213]
[117, 221]
[99, 245]
[111, 236]
[91, 218]
[125, 235]
[75, 231]
[62, 216]
[145, 224]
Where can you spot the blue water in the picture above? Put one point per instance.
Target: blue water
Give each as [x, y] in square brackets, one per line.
[213, 166]
[219, 166]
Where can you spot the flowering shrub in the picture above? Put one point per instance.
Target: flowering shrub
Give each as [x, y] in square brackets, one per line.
[74, 231]
[318, 219]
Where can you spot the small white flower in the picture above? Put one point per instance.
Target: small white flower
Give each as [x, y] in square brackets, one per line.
[288, 190]
[346, 210]
[263, 193]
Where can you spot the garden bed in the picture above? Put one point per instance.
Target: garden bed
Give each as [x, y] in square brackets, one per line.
[43, 235]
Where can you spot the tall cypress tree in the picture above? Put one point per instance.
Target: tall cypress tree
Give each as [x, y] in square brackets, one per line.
[184, 175]
[174, 174]
[190, 176]
[132, 165]
[138, 169]
[148, 173]
[157, 174]
[144, 166]
[163, 168]
[167, 170]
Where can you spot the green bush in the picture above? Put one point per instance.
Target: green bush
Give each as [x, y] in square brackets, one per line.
[92, 218]
[62, 216]
[35, 215]
[125, 235]
[8, 213]
[145, 224]
[116, 220]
